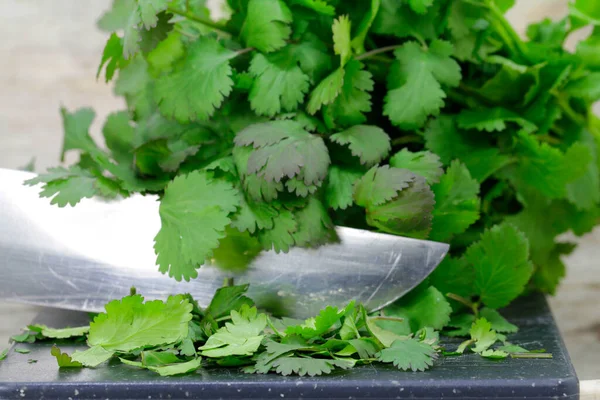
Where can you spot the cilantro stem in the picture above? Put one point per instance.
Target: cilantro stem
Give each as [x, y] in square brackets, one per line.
[531, 355]
[374, 52]
[407, 139]
[473, 306]
[506, 31]
[384, 318]
[204, 21]
[244, 51]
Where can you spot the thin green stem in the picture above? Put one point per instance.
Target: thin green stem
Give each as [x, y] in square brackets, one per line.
[531, 355]
[384, 318]
[407, 140]
[244, 51]
[473, 306]
[374, 52]
[204, 21]
[563, 102]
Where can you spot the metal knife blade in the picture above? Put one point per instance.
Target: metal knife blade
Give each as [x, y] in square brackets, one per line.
[82, 257]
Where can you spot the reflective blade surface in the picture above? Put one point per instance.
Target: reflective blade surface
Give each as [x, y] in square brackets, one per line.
[82, 257]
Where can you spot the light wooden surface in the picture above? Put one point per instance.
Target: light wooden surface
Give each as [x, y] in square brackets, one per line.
[49, 53]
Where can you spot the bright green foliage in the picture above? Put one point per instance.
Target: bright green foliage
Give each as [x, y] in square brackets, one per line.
[192, 224]
[63, 359]
[483, 335]
[168, 369]
[308, 366]
[415, 80]
[266, 25]
[502, 266]
[285, 149]
[341, 38]
[340, 186]
[369, 143]
[424, 163]
[3, 354]
[409, 354]
[199, 86]
[426, 308]
[491, 119]
[456, 203]
[163, 336]
[420, 118]
[64, 333]
[240, 337]
[131, 324]
[316, 326]
[279, 84]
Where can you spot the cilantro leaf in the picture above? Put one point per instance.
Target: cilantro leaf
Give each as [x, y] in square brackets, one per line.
[546, 168]
[426, 308]
[200, 84]
[494, 354]
[444, 139]
[130, 324]
[396, 201]
[483, 335]
[168, 369]
[281, 236]
[266, 26]
[397, 18]
[119, 135]
[341, 38]
[70, 186]
[326, 91]
[284, 148]
[497, 321]
[317, 326]
[255, 186]
[227, 299]
[112, 57]
[63, 333]
[340, 186]
[76, 126]
[116, 18]
[353, 99]
[309, 366]
[315, 227]
[3, 354]
[414, 83]
[319, 6]
[380, 185]
[423, 163]
[409, 354]
[279, 84]
[420, 6]
[502, 266]
[192, 222]
[456, 203]
[454, 275]
[63, 359]
[369, 143]
[240, 337]
[492, 119]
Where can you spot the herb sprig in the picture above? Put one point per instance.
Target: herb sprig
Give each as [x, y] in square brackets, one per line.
[176, 337]
[420, 118]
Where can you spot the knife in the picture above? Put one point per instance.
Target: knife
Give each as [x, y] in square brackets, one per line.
[81, 257]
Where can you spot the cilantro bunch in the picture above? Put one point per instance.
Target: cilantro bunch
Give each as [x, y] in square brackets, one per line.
[430, 119]
[177, 337]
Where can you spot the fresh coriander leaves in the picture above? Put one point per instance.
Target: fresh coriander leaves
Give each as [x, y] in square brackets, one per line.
[420, 118]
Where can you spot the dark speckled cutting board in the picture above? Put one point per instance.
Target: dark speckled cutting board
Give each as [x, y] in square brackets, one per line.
[468, 376]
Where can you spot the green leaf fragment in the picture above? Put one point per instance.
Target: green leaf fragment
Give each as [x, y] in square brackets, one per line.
[414, 83]
[409, 354]
[194, 212]
[200, 84]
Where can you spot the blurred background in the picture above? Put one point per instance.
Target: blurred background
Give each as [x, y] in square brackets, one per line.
[49, 54]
